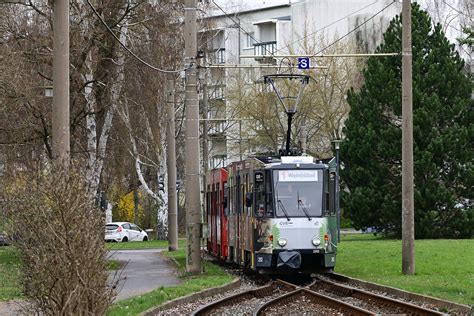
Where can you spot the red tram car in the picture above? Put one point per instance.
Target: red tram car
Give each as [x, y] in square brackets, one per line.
[273, 215]
[216, 185]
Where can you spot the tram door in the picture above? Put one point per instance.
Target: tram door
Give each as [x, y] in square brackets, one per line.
[225, 218]
[209, 217]
[238, 208]
[218, 217]
[214, 219]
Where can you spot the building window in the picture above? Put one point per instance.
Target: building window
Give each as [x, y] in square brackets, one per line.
[217, 92]
[250, 39]
[220, 56]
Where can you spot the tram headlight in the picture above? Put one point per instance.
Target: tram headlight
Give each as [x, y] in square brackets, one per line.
[316, 241]
[282, 242]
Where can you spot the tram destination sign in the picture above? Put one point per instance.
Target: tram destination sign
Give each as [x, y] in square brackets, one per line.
[298, 175]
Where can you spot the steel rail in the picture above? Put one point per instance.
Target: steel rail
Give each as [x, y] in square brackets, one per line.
[263, 291]
[383, 301]
[316, 299]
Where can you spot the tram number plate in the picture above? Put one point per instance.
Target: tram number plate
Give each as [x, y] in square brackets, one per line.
[315, 250]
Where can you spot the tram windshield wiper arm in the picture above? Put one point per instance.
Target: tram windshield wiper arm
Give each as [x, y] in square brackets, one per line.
[283, 209]
[304, 209]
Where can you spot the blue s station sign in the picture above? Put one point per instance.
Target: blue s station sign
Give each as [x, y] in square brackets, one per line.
[303, 63]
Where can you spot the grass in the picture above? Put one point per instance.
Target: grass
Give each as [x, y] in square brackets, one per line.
[151, 244]
[9, 271]
[113, 264]
[443, 268]
[212, 277]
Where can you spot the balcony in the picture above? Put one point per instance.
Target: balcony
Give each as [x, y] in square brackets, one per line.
[216, 92]
[217, 128]
[264, 49]
[219, 56]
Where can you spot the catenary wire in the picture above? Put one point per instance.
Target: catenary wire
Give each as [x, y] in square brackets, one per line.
[354, 29]
[339, 39]
[329, 25]
[128, 49]
[240, 27]
[457, 10]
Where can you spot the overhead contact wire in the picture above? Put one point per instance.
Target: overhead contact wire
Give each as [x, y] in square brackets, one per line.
[326, 26]
[240, 27]
[125, 46]
[354, 29]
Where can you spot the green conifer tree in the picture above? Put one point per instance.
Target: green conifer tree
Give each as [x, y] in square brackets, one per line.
[443, 137]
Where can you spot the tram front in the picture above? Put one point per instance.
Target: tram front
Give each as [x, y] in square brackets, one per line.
[296, 222]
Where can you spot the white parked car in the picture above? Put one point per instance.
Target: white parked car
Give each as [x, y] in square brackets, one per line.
[124, 231]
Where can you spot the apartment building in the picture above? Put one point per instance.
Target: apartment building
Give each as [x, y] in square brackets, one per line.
[263, 30]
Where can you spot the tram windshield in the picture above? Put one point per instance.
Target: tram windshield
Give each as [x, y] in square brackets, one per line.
[298, 193]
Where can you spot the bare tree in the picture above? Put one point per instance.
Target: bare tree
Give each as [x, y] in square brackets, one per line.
[320, 115]
[103, 78]
[142, 109]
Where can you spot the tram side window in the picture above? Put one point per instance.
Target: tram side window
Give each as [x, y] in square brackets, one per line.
[248, 196]
[218, 200]
[226, 199]
[259, 189]
[238, 197]
[268, 194]
[208, 203]
[231, 198]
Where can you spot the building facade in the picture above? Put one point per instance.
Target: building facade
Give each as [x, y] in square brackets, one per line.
[269, 31]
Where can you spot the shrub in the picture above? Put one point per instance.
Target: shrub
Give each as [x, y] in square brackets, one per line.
[59, 233]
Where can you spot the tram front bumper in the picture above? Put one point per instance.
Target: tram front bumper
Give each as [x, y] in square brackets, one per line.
[300, 259]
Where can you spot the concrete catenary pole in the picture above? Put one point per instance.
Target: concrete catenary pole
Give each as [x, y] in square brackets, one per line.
[171, 152]
[193, 210]
[205, 135]
[408, 225]
[60, 119]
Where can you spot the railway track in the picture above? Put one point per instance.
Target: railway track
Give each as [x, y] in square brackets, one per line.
[318, 297]
[245, 302]
[304, 301]
[368, 300]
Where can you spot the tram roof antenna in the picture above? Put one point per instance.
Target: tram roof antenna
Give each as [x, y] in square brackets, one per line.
[289, 102]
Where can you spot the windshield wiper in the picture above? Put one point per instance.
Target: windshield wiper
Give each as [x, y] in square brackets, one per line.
[302, 205]
[283, 209]
[304, 209]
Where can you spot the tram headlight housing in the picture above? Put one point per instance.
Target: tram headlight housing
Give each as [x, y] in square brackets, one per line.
[282, 242]
[316, 241]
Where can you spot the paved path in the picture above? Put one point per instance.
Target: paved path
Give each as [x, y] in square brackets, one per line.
[13, 308]
[144, 271]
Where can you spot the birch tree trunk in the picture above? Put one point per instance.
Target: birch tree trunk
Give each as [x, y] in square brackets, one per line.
[97, 147]
[159, 197]
[162, 214]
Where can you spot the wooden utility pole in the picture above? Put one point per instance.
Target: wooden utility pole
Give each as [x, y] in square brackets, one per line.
[408, 222]
[193, 209]
[60, 120]
[171, 152]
